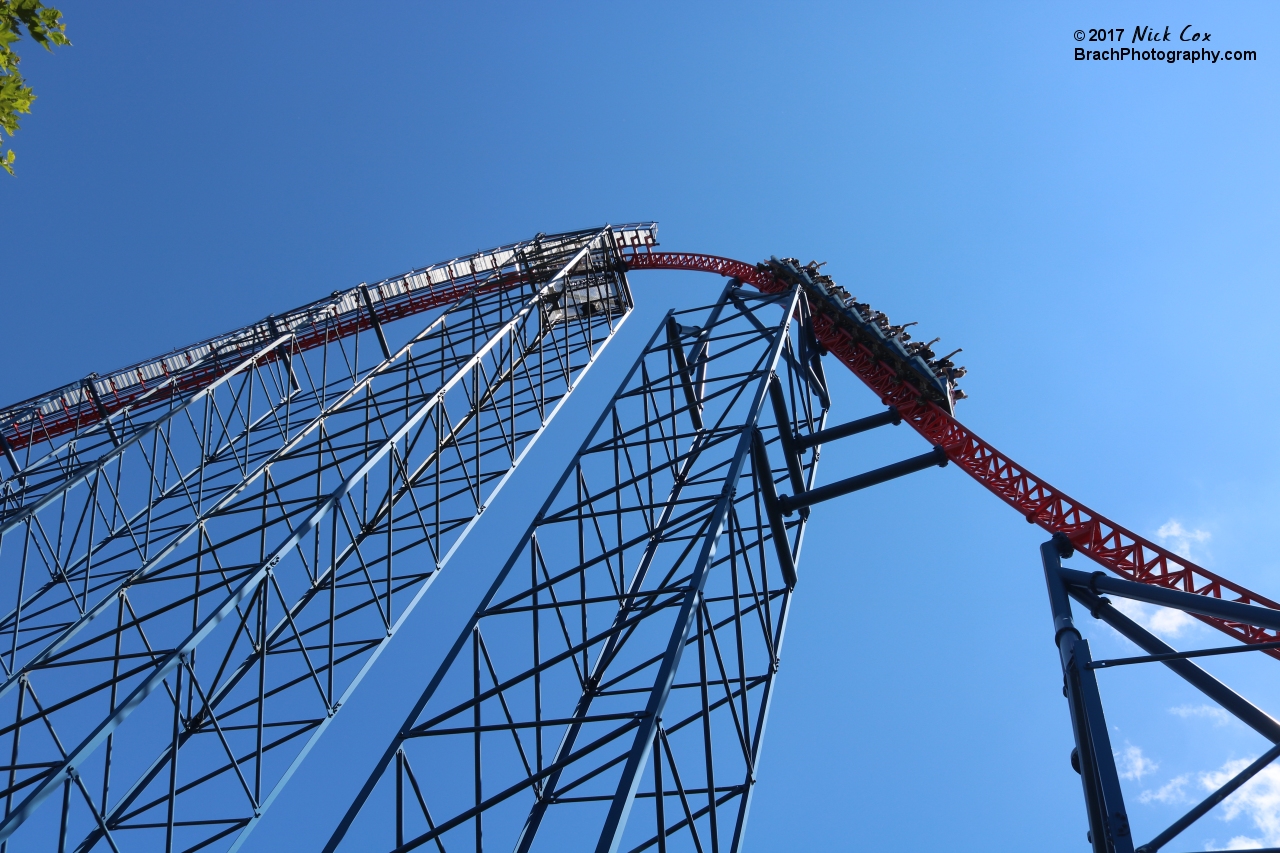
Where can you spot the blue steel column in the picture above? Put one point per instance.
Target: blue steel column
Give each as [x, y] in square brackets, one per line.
[1084, 588]
[1108, 820]
[611, 834]
[659, 499]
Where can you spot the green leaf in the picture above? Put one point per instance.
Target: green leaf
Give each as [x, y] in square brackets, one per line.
[44, 25]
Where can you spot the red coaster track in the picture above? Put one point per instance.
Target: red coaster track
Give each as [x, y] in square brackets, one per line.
[1102, 540]
[1097, 537]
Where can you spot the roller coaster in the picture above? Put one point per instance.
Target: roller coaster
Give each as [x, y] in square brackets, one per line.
[203, 555]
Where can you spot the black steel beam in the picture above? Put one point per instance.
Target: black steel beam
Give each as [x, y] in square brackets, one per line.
[822, 436]
[1249, 614]
[686, 376]
[102, 409]
[377, 324]
[1202, 808]
[790, 504]
[764, 476]
[8, 454]
[812, 356]
[789, 449]
[1243, 709]
[1196, 653]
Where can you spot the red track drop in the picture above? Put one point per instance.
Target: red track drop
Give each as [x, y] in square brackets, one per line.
[1097, 537]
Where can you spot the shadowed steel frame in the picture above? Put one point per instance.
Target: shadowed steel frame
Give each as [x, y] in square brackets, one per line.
[241, 571]
[625, 657]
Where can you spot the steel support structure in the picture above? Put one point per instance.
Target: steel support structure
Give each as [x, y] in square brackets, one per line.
[1092, 758]
[1112, 546]
[199, 578]
[203, 553]
[84, 511]
[612, 688]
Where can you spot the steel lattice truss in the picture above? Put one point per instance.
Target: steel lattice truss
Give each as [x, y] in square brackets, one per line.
[623, 661]
[203, 554]
[207, 576]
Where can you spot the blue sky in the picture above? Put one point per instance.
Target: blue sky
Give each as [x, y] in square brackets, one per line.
[1100, 238]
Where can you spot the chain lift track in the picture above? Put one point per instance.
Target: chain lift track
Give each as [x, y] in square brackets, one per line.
[168, 527]
[237, 552]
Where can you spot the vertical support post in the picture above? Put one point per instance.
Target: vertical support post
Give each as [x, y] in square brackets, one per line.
[769, 493]
[1108, 821]
[660, 811]
[707, 751]
[92, 392]
[377, 326]
[285, 353]
[400, 798]
[13, 758]
[173, 755]
[812, 357]
[475, 676]
[66, 807]
[702, 346]
[780, 413]
[7, 450]
[686, 376]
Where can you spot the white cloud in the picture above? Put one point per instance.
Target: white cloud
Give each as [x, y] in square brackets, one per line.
[1179, 539]
[1161, 621]
[1210, 712]
[1166, 622]
[1258, 800]
[1132, 764]
[1240, 842]
[1169, 793]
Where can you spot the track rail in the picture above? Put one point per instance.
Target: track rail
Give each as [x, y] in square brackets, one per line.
[83, 404]
[1112, 546]
[1102, 540]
